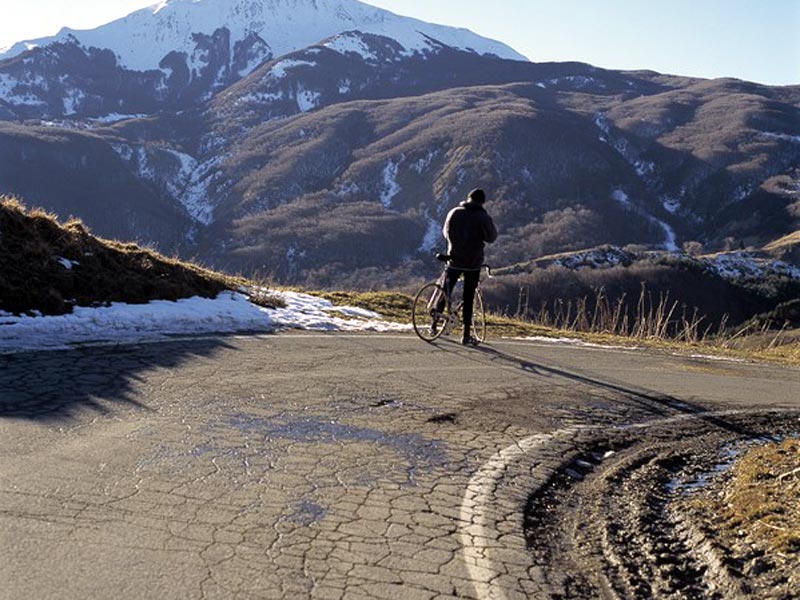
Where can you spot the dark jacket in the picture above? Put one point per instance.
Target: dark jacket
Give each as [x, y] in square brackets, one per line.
[467, 228]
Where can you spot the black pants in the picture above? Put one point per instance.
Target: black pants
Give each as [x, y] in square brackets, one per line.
[471, 279]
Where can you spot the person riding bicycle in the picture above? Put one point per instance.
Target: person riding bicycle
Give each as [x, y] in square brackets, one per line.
[467, 228]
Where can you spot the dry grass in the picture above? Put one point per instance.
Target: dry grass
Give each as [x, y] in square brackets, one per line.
[762, 497]
[34, 248]
[787, 241]
[397, 307]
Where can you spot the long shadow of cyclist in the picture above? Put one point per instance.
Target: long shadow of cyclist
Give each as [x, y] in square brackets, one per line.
[651, 401]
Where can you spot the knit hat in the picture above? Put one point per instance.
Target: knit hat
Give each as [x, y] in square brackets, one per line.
[478, 196]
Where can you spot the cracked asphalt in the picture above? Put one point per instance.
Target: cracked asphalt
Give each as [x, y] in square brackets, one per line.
[316, 465]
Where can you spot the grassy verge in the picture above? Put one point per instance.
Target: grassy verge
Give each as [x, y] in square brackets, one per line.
[753, 516]
[49, 267]
[762, 497]
[397, 307]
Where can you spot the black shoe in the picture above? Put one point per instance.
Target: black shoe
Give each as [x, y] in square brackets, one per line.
[468, 340]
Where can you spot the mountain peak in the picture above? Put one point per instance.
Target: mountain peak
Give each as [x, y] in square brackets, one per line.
[142, 39]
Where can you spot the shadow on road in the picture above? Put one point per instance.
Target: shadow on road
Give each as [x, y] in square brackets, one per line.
[54, 385]
[656, 403]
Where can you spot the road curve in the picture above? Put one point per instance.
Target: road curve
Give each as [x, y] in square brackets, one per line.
[353, 466]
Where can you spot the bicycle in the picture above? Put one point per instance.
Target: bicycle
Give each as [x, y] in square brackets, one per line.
[435, 313]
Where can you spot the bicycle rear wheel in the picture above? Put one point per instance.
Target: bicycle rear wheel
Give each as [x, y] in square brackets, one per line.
[479, 318]
[429, 323]
[478, 327]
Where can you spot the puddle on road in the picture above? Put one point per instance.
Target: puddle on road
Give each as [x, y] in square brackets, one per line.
[687, 483]
[246, 447]
[414, 447]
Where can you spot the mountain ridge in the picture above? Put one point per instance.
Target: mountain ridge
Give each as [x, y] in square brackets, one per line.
[336, 162]
[142, 39]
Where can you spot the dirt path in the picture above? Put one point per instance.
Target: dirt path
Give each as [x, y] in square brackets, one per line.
[332, 466]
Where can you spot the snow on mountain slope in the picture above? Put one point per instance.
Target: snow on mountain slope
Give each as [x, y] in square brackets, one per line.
[143, 38]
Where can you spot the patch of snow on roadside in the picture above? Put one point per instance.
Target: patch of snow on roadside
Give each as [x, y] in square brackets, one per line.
[390, 186]
[303, 311]
[712, 357]
[158, 320]
[574, 342]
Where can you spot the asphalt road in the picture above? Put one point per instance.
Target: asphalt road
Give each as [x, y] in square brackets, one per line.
[314, 465]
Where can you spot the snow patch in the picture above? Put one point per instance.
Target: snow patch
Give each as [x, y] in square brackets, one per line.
[72, 100]
[195, 196]
[309, 312]
[351, 43]
[422, 165]
[671, 205]
[781, 136]
[261, 97]
[670, 239]
[8, 84]
[279, 69]
[143, 38]
[390, 186]
[575, 342]
[67, 263]
[160, 320]
[433, 236]
[596, 258]
[116, 117]
[744, 265]
[577, 82]
[188, 183]
[307, 100]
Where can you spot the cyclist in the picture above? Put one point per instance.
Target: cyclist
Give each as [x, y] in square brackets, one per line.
[467, 228]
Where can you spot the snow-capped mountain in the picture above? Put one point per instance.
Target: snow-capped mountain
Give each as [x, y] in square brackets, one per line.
[180, 52]
[144, 38]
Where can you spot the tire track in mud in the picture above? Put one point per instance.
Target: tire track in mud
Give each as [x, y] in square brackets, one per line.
[600, 517]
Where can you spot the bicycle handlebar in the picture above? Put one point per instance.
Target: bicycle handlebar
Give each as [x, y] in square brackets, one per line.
[445, 257]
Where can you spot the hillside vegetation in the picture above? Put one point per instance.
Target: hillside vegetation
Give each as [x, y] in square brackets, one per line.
[49, 267]
[348, 191]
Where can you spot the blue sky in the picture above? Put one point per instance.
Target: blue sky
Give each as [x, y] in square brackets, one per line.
[757, 40]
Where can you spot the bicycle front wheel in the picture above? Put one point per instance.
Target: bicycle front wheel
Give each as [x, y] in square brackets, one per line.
[429, 312]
